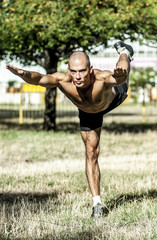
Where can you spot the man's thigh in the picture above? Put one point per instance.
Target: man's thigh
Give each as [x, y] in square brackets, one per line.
[91, 138]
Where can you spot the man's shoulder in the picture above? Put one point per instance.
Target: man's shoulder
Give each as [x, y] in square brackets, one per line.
[61, 76]
[66, 77]
[101, 74]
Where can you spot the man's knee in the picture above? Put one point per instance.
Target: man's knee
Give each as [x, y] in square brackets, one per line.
[92, 154]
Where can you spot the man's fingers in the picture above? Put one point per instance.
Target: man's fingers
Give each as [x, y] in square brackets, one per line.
[10, 67]
[15, 70]
[119, 70]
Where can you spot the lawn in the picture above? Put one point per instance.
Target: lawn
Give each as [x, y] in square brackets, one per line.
[44, 193]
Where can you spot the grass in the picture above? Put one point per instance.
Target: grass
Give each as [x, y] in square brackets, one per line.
[43, 189]
[44, 193]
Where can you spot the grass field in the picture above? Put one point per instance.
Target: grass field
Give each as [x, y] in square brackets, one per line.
[44, 193]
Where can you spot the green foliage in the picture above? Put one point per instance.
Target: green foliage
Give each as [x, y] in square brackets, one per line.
[28, 28]
[143, 77]
[45, 32]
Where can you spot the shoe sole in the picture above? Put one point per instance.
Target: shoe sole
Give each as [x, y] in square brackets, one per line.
[120, 46]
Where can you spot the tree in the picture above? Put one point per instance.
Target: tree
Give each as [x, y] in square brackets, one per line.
[142, 78]
[46, 32]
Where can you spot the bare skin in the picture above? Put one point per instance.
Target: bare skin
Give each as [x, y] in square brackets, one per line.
[92, 91]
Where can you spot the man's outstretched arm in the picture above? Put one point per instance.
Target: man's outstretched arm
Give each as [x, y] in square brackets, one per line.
[36, 78]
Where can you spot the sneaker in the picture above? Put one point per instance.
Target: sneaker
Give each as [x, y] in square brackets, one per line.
[121, 46]
[98, 211]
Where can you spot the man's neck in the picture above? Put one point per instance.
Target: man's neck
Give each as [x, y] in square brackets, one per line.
[89, 85]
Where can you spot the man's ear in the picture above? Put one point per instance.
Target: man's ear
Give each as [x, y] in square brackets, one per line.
[91, 69]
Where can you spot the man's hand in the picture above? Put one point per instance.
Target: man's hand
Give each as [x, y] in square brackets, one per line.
[14, 70]
[120, 74]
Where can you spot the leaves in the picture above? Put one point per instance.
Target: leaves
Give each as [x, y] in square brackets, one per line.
[27, 28]
[143, 77]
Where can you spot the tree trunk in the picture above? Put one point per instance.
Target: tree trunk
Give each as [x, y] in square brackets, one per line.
[50, 95]
[50, 109]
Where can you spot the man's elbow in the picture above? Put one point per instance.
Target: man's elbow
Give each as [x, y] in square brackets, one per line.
[44, 80]
[48, 82]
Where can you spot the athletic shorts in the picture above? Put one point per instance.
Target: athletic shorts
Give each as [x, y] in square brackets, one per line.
[91, 121]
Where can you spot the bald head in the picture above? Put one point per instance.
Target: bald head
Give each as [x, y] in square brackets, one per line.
[79, 57]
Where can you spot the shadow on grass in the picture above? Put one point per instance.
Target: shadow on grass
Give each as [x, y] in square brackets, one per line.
[85, 236]
[32, 201]
[91, 233]
[6, 125]
[13, 203]
[128, 198]
[11, 198]
[113, 127]
[73, 127]
[129, 127]
[64, 126]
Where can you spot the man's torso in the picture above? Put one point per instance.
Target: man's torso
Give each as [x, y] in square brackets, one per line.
[94, 99]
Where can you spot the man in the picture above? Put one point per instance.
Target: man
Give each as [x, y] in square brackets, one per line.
[95, 93]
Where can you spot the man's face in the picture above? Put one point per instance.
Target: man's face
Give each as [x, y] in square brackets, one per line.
[80, 72]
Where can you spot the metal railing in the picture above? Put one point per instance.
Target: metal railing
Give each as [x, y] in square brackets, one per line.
[27, 102]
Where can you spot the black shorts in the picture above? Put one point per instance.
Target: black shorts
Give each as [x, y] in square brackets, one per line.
[91, 121]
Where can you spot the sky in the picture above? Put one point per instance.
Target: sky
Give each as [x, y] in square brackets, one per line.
[6, 75]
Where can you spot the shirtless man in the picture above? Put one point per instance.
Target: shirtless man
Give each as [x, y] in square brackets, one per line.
[95, 93]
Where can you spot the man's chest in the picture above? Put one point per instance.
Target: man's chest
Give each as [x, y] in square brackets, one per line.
[91, 99]
[91, 95]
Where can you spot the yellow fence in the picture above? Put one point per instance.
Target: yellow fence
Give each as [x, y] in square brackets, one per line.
[28, 101]
[21, 101]
[27, 88]
[25, 102]
[32, 88]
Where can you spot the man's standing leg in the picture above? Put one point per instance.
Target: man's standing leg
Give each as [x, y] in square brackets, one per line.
[91, 140]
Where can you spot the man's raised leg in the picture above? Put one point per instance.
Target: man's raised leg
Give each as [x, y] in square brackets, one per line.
[126, 52]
